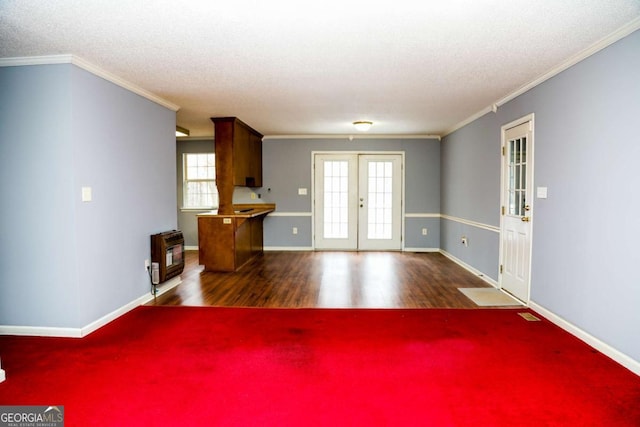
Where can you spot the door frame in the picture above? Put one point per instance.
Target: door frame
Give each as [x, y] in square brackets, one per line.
[503, 203]
[357, 152]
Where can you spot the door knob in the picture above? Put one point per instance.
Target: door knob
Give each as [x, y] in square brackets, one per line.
[361, 205]
[525, 219]
[527, 207]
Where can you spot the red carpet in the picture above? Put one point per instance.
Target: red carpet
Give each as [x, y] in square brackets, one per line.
[181, 366]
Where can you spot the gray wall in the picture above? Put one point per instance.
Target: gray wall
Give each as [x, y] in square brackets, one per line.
[585, 250]
[470, 177]
[65, 263]
[287, 167]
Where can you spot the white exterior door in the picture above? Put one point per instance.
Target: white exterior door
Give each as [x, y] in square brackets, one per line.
[379, 202]
[336, 201]
[517, 205]
[358, 203]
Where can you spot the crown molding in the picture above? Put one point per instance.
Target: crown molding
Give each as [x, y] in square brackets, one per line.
[580, 56]
[468, 120]
[619, 34]
[36, 60]
[352, 137]
[93, 69]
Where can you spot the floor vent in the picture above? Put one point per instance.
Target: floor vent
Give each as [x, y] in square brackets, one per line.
[530, 317]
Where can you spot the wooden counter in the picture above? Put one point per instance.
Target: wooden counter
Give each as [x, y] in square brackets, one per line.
[227, 242]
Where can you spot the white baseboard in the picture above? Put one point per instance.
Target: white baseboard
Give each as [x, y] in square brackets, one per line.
[161, 289]
[466, 266]
[310, 248]
[616, 355]
[42, 331]
[288, 248]
[266, 248]
[621, 358]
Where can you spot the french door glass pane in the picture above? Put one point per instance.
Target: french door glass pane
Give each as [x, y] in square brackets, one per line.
[379, 224]
[336, 192]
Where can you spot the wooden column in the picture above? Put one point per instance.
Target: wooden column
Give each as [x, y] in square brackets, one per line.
[224, 164]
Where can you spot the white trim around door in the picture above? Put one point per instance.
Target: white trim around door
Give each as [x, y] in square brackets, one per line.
[517, 207]
[358, 200]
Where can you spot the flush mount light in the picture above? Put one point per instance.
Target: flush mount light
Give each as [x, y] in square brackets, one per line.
[181, 131]
[362, 126]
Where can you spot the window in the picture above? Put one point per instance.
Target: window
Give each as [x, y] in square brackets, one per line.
[199, 177]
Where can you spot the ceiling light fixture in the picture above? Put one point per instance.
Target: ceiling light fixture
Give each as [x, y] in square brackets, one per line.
[181, 131]
[362, 126]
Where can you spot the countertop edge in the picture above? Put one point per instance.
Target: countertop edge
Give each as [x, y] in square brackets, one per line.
[255, 210]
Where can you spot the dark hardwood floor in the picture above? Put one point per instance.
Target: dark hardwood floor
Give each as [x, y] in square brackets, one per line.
[328, 279]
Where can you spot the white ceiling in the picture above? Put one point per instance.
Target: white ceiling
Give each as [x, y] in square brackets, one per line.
[290, 67]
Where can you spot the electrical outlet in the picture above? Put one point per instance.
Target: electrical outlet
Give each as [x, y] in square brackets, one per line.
[294, 230]
[424, 231]
[147, 264]
[253, 196]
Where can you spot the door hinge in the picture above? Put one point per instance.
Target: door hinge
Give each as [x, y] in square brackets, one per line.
[504, 151]
[502, 209]
[501, 268]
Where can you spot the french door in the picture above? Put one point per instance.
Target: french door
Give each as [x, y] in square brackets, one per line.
[517, 204]
[358, 201]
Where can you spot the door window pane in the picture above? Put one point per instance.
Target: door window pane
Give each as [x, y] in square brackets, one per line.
[336, 192]
[517, 181]
[379, 200]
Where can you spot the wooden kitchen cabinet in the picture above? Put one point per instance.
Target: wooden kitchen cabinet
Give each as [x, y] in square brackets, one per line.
[241, 146]
[238, 150]
[227, 242]
[255, 158]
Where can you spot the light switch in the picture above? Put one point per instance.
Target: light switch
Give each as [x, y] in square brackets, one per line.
[86, 194]
[302, 191]
[541, 192]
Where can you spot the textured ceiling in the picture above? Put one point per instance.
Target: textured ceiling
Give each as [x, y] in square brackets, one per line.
[295, 67]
